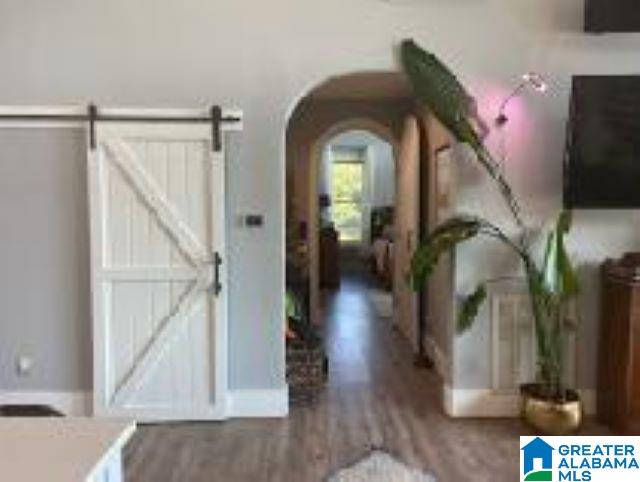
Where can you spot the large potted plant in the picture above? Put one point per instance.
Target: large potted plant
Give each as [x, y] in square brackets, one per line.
[548, 404]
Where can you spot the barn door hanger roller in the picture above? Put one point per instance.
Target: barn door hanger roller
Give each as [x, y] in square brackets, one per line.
[215, 118]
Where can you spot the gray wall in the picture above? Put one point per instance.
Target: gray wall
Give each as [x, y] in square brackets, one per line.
[44, 260]
[262, 57]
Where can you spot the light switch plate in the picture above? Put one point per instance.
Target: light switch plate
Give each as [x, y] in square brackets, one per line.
[254, 220]
[24, 365]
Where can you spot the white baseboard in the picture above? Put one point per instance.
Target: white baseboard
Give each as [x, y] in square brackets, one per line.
[459, 402]
[75, 404]
[469, 403]
[241, 403]
[258, 403]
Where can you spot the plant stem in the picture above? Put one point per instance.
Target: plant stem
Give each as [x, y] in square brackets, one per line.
[492, 167]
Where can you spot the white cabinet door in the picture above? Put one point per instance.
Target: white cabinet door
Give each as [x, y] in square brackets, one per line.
[158, 272]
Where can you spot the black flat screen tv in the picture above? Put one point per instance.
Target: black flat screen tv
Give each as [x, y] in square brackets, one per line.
[601, 16]
[602, 159]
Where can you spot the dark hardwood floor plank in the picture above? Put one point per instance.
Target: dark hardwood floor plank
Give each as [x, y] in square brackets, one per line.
[375, 398]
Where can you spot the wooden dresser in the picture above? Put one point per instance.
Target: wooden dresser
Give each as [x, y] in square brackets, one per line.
[329, 258]
[619, 351]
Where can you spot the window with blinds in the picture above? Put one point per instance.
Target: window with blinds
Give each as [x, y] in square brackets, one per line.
[347, 180]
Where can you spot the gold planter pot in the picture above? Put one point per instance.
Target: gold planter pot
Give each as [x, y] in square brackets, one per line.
[551, 417]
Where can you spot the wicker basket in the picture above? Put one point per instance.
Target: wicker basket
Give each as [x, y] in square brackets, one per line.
[306, 372]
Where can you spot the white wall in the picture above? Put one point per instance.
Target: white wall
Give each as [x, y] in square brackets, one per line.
[262, 56]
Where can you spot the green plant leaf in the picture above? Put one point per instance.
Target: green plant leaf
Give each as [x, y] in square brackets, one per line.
[470, 307]
[552, 283]
[559, 277]
[436, 86]
[444, 238]
[292, 306]
[440, 91]
[448, 235]
[565, 221]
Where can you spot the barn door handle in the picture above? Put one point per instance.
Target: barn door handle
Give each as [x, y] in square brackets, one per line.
[217, 284]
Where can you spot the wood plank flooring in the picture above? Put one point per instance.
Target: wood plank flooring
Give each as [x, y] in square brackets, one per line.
[375, 398]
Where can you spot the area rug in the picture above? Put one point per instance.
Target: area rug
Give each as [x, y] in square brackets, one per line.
[380, 467]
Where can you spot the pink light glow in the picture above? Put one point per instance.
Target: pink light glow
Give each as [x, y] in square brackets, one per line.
[519, 129]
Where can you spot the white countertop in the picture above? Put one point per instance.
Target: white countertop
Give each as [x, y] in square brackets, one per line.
[58, 449]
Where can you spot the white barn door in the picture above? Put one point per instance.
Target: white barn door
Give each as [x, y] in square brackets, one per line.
[158, 264]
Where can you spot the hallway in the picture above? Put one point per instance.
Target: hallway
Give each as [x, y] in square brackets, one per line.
[383, 401]
[375, 398]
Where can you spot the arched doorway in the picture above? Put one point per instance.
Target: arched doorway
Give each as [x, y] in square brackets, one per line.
[377, 103]
[381, 105]
[373, 102]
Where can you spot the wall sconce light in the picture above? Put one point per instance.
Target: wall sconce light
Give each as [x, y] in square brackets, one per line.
[531, 79]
